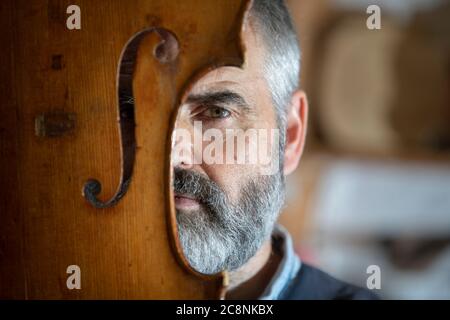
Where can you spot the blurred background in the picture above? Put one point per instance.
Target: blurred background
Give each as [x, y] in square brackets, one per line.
[373, 186]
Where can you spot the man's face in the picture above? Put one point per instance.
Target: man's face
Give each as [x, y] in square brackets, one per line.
[227, 204]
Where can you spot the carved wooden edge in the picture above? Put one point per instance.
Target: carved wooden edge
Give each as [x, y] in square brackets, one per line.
[222, 278]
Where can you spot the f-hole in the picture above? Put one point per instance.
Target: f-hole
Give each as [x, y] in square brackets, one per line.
[164, 52]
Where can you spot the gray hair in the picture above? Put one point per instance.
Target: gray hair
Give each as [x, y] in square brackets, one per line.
[282, 61]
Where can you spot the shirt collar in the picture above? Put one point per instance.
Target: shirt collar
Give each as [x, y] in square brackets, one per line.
[289, 266]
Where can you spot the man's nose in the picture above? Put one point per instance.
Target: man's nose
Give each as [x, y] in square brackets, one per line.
[182, 155]
[183, 146]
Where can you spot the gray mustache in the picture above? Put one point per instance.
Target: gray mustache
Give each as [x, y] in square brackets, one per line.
[196, 185]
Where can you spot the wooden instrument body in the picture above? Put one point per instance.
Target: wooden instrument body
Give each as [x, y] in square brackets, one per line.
[61, 126]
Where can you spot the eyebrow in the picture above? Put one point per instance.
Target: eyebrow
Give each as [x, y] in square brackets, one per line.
[218, 98]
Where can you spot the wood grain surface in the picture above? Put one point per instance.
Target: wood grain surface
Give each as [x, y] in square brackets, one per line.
[126, 251]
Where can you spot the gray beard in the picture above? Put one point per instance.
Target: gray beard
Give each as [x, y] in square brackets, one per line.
[222, 235]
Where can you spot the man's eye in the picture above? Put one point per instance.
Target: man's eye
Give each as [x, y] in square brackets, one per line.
[216, 113]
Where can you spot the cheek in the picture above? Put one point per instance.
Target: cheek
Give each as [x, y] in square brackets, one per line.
[231, 178]
[245, 154]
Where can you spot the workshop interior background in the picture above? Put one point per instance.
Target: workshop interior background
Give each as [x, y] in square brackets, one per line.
[373, 187]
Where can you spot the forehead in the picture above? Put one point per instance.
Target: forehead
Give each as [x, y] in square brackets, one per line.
[230, 78]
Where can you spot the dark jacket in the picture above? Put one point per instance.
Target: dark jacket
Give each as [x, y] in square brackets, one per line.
[312, 284]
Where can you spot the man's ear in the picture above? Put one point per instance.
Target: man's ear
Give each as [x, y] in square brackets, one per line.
[297, 118]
